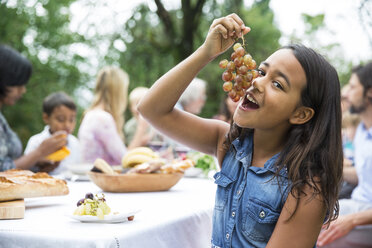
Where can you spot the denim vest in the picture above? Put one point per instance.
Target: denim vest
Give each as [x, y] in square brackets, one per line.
[248, 199]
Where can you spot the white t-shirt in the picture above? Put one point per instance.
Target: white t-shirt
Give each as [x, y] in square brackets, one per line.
[72, 144]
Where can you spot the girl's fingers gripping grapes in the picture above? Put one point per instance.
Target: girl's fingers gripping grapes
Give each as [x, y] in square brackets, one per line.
[236, 22]
[223, 33]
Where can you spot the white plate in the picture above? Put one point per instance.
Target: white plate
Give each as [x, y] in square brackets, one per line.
[193, 172]
[110, 218]
[80, 168]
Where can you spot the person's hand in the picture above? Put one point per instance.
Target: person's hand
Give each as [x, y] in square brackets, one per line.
[222, 34]
[47, 166]
[52, 144]
[337, 229]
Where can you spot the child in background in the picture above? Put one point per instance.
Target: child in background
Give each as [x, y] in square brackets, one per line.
[350, 124]
[131, 125]
[59, 115]
[280, 160]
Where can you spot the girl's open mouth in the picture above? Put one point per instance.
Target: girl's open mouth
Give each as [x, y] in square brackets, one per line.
[249, 102]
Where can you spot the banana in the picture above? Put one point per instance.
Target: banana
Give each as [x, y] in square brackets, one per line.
[104, 166]
[138, 155]
[142, 150]
[135, 159]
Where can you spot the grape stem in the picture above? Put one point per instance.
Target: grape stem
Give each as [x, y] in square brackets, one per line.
[243, 41]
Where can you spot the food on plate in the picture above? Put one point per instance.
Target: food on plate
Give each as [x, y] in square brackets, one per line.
[138, 156]
[147, 167]
[59, 155]
[19, 184]
[93, 205]
[203, 161]
[239, 73]
[150, 164]
[102, 166]
[177, 166]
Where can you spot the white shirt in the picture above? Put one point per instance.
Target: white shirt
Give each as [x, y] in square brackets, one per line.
[363, 164]
[72, 144]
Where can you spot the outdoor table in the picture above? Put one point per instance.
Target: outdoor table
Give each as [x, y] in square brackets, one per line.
[179, 217]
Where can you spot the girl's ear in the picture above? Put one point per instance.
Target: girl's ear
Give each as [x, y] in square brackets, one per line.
[301, 115]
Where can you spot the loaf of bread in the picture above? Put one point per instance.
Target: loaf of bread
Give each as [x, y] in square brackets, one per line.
[19, 184]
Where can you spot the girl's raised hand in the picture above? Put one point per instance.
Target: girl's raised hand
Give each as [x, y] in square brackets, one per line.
[223, 33]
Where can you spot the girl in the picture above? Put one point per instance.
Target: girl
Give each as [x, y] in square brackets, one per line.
[281, 161]
[101, 130]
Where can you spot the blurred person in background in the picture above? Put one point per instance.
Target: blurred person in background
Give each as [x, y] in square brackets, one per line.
[101, 131]
[194, 97]
[130, 127]
[192, 101]
[350, 124]
[227, 109]
[15, 72]
[345, 105]
[356, 211]
[59, 115]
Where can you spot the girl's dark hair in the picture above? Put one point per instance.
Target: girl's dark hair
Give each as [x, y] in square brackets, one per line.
[57, 99]
[313, 151]
[15, 69]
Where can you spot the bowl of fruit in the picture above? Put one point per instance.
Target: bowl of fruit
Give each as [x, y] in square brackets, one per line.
[142, 171]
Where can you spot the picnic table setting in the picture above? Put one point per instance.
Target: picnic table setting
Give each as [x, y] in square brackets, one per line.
[146, 201]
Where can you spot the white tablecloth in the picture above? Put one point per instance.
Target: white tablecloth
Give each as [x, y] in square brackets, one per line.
[180, 217]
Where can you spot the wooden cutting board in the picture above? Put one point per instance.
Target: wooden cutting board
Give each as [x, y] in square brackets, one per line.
[12, 210]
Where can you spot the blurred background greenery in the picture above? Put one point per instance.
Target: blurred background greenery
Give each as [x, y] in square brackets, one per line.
[147, 45]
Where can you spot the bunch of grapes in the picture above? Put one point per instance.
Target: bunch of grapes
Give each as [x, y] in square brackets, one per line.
[93, 205]
[239, 73]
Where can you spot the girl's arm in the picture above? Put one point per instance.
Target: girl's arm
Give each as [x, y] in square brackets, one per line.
[303, 228]
[158, 105]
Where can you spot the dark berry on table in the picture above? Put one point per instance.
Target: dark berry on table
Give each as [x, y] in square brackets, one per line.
[89, 196]
[81, 201]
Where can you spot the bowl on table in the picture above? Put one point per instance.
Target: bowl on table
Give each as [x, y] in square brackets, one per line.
[80, 168]
[135, 182]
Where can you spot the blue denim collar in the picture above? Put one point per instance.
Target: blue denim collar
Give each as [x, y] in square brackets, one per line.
[243, 152]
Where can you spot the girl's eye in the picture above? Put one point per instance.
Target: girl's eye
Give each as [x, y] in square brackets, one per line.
[278, 85]
[261, 72]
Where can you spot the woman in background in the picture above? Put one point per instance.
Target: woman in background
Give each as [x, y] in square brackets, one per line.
[15, 71]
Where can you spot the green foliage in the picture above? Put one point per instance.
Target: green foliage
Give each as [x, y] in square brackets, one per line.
[149, 44]
[40, 31]
[313, 23]
[156, 42]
